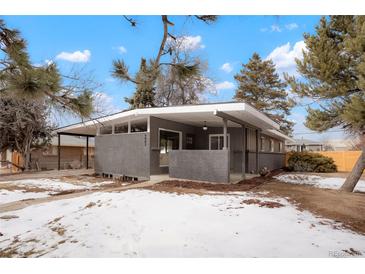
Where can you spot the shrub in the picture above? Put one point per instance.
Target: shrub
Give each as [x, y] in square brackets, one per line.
[311, 162]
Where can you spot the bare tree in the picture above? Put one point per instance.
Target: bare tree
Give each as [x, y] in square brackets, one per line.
[175, 88]
[24, 126]
[146, 78]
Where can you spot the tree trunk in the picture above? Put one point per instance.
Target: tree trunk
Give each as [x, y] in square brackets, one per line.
[357, 170]
[26, 158]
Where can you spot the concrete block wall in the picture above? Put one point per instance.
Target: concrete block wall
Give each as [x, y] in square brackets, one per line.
[123, 154]
[201, 165]
[271, 160]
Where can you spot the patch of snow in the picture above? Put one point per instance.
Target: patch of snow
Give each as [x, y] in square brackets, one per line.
[318, 181]
[143, 223]
[56, 185]
[7, 196]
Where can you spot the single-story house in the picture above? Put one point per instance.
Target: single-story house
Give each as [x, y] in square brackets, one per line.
[208, 142]
[347, 144]
[72, 149]
[304, 145]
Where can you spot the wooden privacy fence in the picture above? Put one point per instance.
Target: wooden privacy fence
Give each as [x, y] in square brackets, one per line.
[344, 160]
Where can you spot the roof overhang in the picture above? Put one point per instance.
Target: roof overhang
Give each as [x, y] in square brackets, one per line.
[194, 115]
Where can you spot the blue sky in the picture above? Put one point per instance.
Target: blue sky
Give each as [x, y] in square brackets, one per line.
[92, 42]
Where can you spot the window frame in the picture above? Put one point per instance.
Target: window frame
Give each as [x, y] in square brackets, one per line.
[219, 135]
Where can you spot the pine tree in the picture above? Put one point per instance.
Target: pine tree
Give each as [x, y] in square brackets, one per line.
[260, 86]
[144, 96]
[333, 67]
[20, 79]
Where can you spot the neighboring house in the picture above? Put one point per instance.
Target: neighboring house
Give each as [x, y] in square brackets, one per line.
[304, 145]
[209, 142]
[73, 154]
[341, 144]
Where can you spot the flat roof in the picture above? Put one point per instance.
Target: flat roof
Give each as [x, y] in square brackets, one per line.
[194, 115]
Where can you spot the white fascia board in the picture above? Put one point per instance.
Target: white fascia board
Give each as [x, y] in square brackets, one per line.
[261, 116]
[158, 110]
[276, 133]
[176, 109]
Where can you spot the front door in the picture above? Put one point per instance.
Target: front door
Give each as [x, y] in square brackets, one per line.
[169, 140]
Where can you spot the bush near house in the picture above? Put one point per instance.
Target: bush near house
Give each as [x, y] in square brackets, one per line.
[311, 162]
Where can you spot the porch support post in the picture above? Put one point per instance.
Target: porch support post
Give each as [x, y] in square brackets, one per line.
[225, 142]
[258, 136]
[87, 152]
[243, 152]
[59, 151]
[129, 126]
[149, 124]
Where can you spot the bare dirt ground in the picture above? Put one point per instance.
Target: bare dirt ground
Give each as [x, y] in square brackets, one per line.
[345, 208]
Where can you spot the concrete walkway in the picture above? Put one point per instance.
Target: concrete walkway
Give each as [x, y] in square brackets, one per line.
[25, 203]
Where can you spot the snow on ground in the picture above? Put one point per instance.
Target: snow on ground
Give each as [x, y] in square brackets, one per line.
[7, 196]
[50, 186]
[318, 181]
[55, 184]
[143, 223]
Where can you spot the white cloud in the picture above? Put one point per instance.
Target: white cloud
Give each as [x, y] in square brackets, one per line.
[224, 85]
[46, 62]
[76, 56]
[284, 57]
[122, 50]
[188, 43]
[275, 28]
[291, 26]
[103, 104]
[227, 67]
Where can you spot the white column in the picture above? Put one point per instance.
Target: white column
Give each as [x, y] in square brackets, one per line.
[148, 123]
[225, 139]
[258, 139]
[129, 126]
[113, 128]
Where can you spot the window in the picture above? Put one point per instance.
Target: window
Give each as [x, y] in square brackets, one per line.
[216, 141]
[262, 143]
[280, 146]
[121, 128]
[189, 140]
[139, 126]
[271, 147]
[106, 130]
